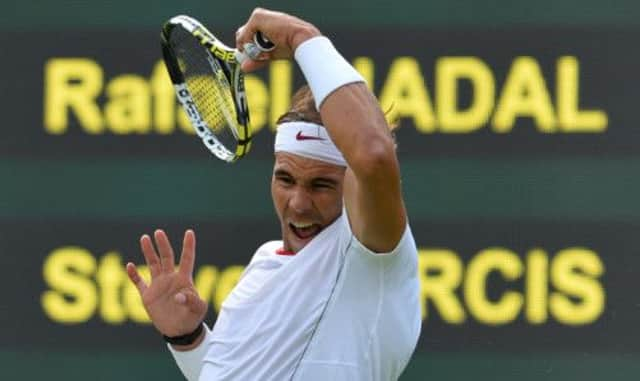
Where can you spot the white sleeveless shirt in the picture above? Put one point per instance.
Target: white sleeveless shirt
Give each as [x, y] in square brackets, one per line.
[333, 311]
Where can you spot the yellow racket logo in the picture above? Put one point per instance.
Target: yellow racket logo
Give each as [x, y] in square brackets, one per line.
[207, 40]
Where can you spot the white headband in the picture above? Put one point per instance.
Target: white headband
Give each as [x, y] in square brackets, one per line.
[309, 140]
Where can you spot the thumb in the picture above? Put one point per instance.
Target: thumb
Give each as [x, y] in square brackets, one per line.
[191, 300]
[250, 65]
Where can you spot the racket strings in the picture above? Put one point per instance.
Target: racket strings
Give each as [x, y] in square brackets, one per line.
[209, 88]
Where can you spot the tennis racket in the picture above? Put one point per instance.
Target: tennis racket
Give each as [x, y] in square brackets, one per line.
[209, 84]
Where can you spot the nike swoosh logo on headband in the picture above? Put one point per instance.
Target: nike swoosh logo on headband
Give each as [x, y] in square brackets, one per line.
[299, 136]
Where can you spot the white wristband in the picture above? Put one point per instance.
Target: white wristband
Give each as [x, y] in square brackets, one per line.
[324, 68]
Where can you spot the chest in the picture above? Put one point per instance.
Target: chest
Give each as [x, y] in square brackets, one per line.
[278, 296]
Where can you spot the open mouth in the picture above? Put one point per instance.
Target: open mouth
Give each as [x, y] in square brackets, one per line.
[305, 231]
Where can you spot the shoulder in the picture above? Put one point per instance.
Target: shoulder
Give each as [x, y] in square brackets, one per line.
[405, 250]
[264, 252]
[268, 248]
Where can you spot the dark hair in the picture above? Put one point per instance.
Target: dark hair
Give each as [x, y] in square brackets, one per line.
[303, 108]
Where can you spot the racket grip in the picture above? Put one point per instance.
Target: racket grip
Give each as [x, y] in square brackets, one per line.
[259, 45]
[263, 43]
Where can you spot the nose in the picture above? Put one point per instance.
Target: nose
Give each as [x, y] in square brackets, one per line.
[300, 201]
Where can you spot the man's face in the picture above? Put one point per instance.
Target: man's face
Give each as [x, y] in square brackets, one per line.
[307, 195]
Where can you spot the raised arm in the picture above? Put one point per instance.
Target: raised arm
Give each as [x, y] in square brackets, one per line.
[372, 193]
[354, 120]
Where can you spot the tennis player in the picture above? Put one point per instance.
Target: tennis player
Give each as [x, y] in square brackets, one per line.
[337, 298]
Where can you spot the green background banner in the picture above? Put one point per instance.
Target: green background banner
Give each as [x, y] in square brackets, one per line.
[518, 139]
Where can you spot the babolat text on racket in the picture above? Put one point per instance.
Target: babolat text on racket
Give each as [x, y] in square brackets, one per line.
[209, 84]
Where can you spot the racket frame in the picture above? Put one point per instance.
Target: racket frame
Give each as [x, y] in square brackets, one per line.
[223, 61]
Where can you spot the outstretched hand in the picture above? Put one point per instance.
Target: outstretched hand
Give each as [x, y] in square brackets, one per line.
[170, 299]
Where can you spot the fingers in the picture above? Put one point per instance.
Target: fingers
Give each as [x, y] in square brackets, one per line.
[245, 33]
[250, 65]
[135, 278]
[167, 259]
[164, 263]
[188, 255]
[150, 256]
[275, 26]
[241, 37]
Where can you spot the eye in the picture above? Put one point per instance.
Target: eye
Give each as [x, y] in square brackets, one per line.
[287, 180]
[321, 185]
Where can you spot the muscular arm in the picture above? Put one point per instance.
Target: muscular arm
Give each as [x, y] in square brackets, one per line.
[372, 192]
[357, 126]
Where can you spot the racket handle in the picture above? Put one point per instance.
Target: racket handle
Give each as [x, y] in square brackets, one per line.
[260, 44]
[263, 43]
[253, 49]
